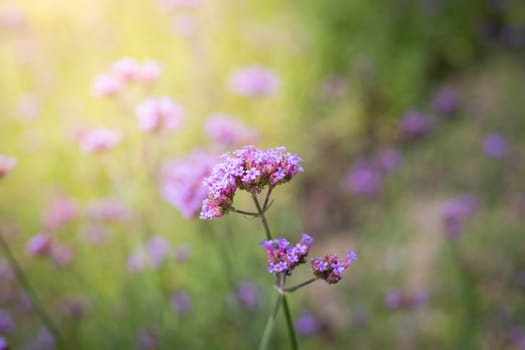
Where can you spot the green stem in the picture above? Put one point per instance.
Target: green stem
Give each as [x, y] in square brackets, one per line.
[289, 324]
[24, 282]
[270, 323]
[263, 217]
[294, 288]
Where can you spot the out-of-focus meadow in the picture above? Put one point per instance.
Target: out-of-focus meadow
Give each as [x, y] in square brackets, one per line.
[409, 116]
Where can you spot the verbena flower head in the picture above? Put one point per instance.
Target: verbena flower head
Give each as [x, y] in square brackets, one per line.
[415, 124]
[99, 139]
[157, 113]
[125, 69]
[60, 211]
[306, 323]
[39, 245]
[330, 268]
[455, 213]
[281, 256]
[364, 178]
[106, 85]
[3, 344]
[182, 181]
[180, 301]
[7, 324]
[6, 164]
[495, 145]
[250, 169]
[226, 130]
[254, 81]
[446, 101]
[149, 71]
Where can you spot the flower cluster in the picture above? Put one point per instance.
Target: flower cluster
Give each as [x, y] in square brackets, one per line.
[227, 131]
[157, 113]
[182, 184]
[123, 72]
[6, 164]
[250, 169]
[495, 145]
[415, 124]
[281, 256]
[455, 212]
[330, 268]
[254, 81]
[99, 139]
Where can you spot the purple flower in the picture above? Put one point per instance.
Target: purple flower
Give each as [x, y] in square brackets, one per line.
[137, 261]
[60, 211]
[254, 81]
[306, 323]
[7, 324]
[106, 85]
[364, 178]
[456, 211]
[225, 130]
[281, 256]
[495, 145]
[6, 164]
[395, 299]
[3, 344]
[388, 159]
[180, 301]
[39, 245]
[157, 113]
[158, 248]
[109, 209]
[415, 124]
[62, 254]
[44, 340]
[147, 340]
[99, 139]
[330, 268]
[248, 294]
[149, 71]
[250, 169]
[182, 182]
[446, 101]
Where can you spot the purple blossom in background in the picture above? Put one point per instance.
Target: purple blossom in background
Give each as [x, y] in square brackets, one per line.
[6, 164]
[248, 294]
[137, 261]
[228, 131]
[182, 252]
[388, 159]
[158, 113]
[364, 178]
[250, 169]
[39, 245]
[62, 254]
[306, 323]
[180, 301]
[395, 299]
[7, 324]
[415, 124]
[495, 145]
[446, 101]
[125, 69]
[281, 256]
[149, 71]
[147, 340]
[106, 85]
[3, 344]
[60, 211]
[182, 181]
[158, 249]
[254, 81]
[456, 211]
[109, 209]
[99, 139]
[330, 268]
[44, 340]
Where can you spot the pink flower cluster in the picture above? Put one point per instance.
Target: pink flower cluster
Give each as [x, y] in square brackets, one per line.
[455, 213]
[6, 164]
[225, 130]
[99, 139]
[250, 169]
[182, 183]
[43, 244]
[281, 256]
[330, 268]
[59, 211]
[254, 81]
[157, 113]
[123, 72]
